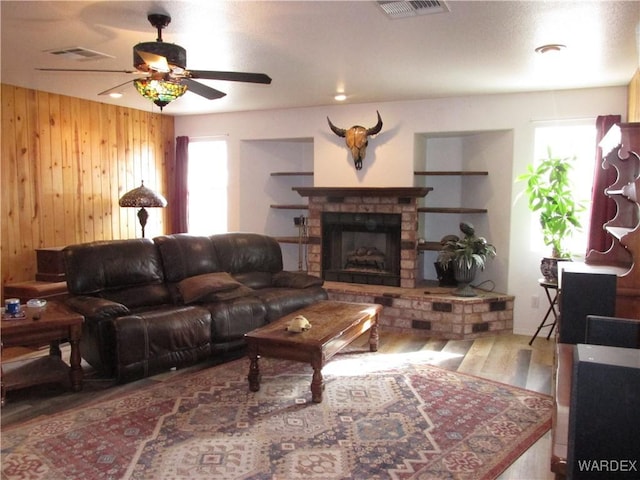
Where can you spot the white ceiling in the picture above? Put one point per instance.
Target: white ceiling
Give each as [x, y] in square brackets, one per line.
[313, 49]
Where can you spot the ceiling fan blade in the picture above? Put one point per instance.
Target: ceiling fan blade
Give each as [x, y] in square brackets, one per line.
[231, 76]
[112, 89]
[154, 61]
[86, 70]
[202, 90]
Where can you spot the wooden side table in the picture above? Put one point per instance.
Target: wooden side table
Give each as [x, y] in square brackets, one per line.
[56, 324]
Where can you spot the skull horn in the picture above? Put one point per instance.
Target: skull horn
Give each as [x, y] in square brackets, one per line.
[341, 132]
[377, 128]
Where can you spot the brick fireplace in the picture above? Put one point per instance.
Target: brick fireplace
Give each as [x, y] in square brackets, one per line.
[364, 207]
[410, 306]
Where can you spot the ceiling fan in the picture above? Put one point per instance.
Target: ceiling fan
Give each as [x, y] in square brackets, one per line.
[165, 66]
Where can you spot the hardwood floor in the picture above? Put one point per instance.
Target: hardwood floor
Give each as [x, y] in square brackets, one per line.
[505, 358]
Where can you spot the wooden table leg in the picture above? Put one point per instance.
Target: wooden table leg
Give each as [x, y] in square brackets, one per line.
[254, 370]
[75, 372]
[317, 384]
[373, 335]
[54, 349]
[2, 391]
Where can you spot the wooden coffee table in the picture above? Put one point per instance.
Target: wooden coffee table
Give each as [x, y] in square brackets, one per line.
[56, 324]
[334, 325]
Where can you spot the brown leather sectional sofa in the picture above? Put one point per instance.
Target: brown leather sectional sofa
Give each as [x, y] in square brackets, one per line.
[151, 305]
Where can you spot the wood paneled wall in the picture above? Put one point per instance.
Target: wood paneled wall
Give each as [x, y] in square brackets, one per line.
[65, 163]
[633, 114]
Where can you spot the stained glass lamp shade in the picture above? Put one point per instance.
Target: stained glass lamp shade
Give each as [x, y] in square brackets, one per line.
[160, 92]
[142, 198]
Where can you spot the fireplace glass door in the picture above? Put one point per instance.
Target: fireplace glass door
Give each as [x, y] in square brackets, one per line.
[361, 248]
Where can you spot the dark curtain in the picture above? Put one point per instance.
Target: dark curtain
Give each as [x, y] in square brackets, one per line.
[603, 208]
[179, 191]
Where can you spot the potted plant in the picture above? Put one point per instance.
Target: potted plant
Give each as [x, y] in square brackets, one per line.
[465, 256]
[549, 192]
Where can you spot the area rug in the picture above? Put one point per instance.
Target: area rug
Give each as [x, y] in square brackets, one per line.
[382, 416]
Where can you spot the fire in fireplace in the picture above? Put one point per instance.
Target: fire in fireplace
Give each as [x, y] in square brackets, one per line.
[361, 247]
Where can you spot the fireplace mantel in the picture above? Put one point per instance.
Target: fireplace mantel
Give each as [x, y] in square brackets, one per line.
[402, 192]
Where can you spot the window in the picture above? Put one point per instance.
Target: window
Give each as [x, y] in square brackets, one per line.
[577, 139]
[207, 185]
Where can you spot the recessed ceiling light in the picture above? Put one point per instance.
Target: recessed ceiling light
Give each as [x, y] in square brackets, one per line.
[551, 47]
[115, 95]
[340, 97]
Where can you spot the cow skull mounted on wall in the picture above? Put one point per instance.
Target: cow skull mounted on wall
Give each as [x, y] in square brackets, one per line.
[357, 139]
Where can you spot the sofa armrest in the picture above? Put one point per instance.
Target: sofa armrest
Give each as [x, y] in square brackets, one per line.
[296, 280]
[96, 308]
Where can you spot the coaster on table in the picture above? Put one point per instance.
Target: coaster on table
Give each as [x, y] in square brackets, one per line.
[14, 316]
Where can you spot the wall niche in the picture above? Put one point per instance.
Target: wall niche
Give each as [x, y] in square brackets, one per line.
[269, 169]
[471, 176]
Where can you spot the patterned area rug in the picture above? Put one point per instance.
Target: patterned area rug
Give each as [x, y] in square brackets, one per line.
[382, 416]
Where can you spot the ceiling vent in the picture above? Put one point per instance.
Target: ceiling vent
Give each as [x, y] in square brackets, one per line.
[403, 9]
[79, 54]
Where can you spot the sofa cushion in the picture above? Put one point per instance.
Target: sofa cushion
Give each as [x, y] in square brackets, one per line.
[199, 287]
[231, 319]
[241, 291]
[282, 301]
[247, 252]
[255, 279]
[139, 296]
[296, 280]
[114, 264]
[157, 340]
[185, 255]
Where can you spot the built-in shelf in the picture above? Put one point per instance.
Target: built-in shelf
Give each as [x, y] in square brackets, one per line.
[291, 240]
[287, 239]
[451, 210]
[448, 210]
[290, 207]
[431, 246]
[435, 173]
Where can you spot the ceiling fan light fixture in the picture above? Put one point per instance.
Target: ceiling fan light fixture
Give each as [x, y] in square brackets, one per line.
[166, 67]
[160, 92]
[159, 56]
[550, 47]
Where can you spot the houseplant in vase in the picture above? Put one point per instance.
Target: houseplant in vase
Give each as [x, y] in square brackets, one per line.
[549, 192]
[465, 256]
